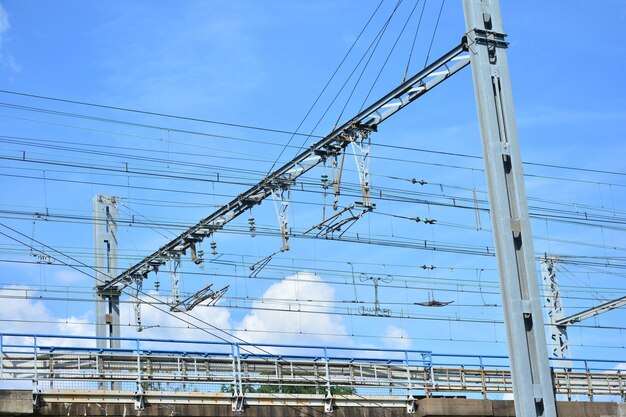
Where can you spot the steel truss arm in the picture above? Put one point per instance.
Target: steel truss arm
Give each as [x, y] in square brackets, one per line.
[593, 311]
[193, 300]
[368, 120]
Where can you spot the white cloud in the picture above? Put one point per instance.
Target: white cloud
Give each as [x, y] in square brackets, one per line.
[6, 59]
[399, 338]
[264, 325]
[69, 276]
[266, 322]
[19, 314]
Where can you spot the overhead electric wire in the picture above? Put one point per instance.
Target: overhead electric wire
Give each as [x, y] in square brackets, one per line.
[319, 96]
[188, 322]
[401, 315]
[419, 24]
[393, 47]
[152, 113]
[405, 242]
[458, 284]
[575, 217]
[432, 40]
[375, 43]
[443, 247]
[310, 333]
[308, 302]
[396, 147]
[462, 286]
[583, 215]
[554, 213]
[170, 225]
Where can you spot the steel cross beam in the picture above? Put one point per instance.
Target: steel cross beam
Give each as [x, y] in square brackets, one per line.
[530, 371]
[593, 311]
[368, 120]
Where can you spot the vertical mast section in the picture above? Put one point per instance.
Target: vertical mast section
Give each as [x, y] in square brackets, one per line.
[532, 382]
[105, 265]
[558, 342]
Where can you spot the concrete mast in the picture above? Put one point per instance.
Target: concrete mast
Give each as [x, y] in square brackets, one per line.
[105, 265]
[532, 382]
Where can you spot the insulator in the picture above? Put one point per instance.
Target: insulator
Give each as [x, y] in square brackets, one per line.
[324, 181]
[214, 248]
[252, 226]
[199, 257]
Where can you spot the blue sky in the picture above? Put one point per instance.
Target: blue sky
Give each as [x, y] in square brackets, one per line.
[263, 64]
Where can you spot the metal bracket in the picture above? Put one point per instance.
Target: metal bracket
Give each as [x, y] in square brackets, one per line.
[411, 404]
[329, 406]
[139, 401]
[376, 310]
[360, 141]
[239, 403]
[198, 297]
[490, 37]
[37, 400]
[336, 171]
[339, 224]
[137, 301]
[197, 255]
[175, 278]
[281, 203]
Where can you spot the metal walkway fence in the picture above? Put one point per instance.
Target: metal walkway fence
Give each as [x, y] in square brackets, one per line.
[57, 364]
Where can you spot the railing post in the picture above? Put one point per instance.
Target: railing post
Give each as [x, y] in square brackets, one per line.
[238, 396]
[589, 381]
[1, 356]
[139, 393]
[410, 399]
[239, 371]
[328, 401]
[137, 351]
[482, 377]
[429, 379]
[621, 385]
[232, 354]
[36, 375]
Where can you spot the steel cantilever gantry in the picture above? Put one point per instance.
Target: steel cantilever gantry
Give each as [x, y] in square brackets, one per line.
[362, 124]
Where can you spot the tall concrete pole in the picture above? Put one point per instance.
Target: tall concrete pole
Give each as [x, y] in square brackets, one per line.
[532, 382]
[105, 265]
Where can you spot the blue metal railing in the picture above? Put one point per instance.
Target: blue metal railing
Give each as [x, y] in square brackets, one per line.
[145, 346]
[42, 343]
[405, 370]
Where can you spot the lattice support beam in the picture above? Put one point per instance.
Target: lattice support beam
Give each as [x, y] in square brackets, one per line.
[369, 119]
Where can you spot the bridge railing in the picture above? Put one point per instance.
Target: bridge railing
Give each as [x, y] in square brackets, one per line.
[53, 362]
